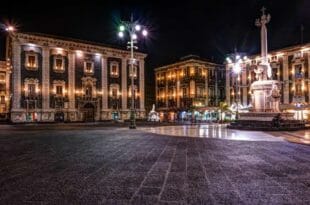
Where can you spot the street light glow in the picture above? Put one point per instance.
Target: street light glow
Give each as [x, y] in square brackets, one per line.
[10, 28]
[138, 27]
[121, 34]
[134, 36]
[122, 28]
[237, 68]
[237, 57]
[144, 32]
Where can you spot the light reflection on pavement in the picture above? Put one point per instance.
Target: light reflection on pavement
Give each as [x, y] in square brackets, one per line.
[217, 131]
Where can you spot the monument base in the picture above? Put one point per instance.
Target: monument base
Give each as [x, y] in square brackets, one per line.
[267, 121]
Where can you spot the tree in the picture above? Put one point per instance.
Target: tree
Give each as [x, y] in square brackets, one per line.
[222, 108]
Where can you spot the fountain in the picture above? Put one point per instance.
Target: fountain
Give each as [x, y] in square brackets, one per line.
[265, 113]
[153, 115]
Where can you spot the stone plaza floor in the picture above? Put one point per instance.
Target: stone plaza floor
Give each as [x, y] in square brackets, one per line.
[64, 164]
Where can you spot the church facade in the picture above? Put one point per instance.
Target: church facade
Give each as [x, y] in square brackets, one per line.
[290, 66]
[60, 79]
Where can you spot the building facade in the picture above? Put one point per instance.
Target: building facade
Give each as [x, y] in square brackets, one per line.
[5, 73]
[289, 65]
[58, 79]
[190, 89]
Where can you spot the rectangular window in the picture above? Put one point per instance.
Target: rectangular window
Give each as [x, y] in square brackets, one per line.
[133, 71]
[114, 70]
[2, 99]
[89, 66]
[58, 64]
[59, 90]
[114, 92]
[2, 78]
[31, 89]
[2, 87]
[184, 92]
[31, 61]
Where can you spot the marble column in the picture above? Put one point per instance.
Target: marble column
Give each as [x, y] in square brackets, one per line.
[124, 83]
[45, 79]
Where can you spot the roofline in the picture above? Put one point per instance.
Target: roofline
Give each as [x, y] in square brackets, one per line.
[187, 61]
[285, 49]
[75, 40]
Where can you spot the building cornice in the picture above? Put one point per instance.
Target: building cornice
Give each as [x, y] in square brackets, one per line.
[185, 62]
[74, 44]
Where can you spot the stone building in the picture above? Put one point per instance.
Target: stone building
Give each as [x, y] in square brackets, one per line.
[5, 72]
[190, 88]
[290, 66]
[61, 79]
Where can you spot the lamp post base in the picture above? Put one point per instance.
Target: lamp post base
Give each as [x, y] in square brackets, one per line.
[132, 127]
[132, 120]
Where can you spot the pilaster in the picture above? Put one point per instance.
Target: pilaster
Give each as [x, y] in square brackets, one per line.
[142, 84]
[124, 83]
[227, 85]
[16, 75]
[104, 81]
[285, 92]
[71, 80]
[207, 87]
[45, 79]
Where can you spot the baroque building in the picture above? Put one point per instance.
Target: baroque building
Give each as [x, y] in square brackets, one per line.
[190, 89]
[5, 73]
[289, 65]
[61, 79]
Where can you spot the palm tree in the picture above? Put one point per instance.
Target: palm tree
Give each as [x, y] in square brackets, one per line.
[222, 108]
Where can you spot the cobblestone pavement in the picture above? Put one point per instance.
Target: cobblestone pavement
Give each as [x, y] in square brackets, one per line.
[121, 166]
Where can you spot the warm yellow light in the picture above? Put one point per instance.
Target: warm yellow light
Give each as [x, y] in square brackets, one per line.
[79, 54]
[305, 49]
[59, 51]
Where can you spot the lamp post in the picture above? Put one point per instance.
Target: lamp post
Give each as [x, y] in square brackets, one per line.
[236, 59]
[132, 28]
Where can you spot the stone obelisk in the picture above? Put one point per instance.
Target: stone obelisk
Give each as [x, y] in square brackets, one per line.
[266, 71]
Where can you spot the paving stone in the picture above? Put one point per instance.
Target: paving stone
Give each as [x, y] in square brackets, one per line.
[82, 165]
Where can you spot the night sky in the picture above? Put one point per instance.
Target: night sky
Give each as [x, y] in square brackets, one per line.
[209, 28]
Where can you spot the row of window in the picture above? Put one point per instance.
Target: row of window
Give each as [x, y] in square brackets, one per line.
[31, 63]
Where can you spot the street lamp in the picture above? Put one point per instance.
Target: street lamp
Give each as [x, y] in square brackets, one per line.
[132, 28]
[237, 59]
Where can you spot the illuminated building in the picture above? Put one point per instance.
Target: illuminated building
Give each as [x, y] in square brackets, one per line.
[290, 66]
[5, 73]
[191, 88]
[61, 79]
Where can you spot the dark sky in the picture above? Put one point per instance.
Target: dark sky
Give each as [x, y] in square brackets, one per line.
[209, 28]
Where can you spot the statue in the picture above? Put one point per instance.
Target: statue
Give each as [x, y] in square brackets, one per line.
[153, 115]
[274, 98]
